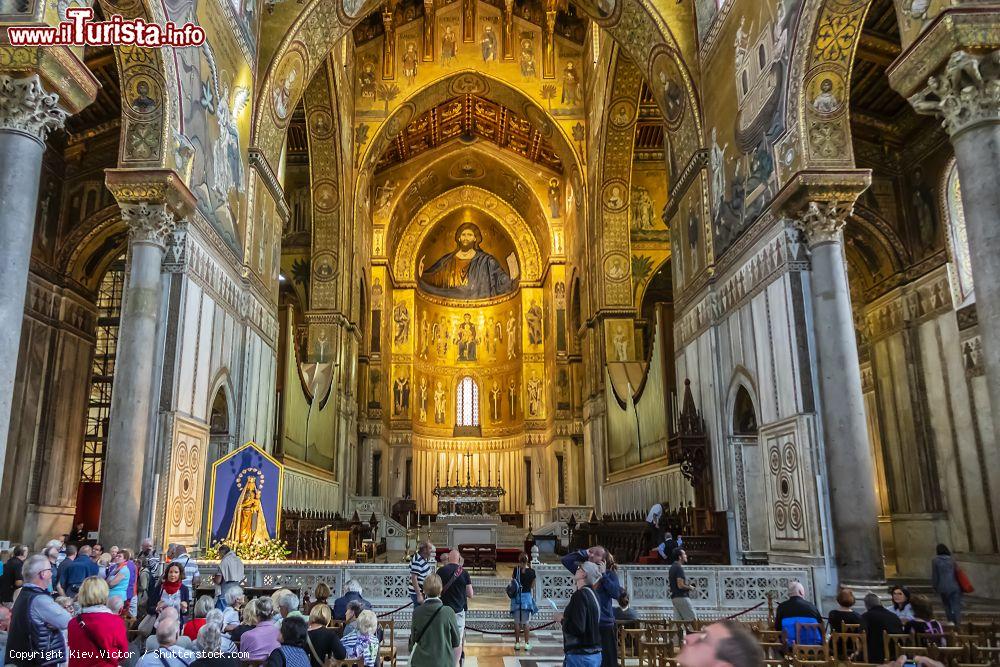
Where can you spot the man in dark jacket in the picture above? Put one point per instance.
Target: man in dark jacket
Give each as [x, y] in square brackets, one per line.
[796, 609]
[581, 621]
[876, 622]
[352, 592]
[37, 622]
[11, 578]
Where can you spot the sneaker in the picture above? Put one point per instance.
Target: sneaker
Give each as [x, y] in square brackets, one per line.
[518, 646]
[527, 647]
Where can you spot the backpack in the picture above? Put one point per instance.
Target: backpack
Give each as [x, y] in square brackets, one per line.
[513, 589]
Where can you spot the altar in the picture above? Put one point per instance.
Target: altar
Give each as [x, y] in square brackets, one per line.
[469, 501]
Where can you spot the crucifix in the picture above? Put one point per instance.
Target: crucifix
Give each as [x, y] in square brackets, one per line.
[468, 469]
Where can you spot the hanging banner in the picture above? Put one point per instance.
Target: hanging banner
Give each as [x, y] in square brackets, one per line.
[245, 501]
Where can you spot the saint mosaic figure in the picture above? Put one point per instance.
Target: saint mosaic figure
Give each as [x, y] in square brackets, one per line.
[489, 44]
[401, 317]
[534, 318]
[468, 272]
[423, 399]
[401, 395]
[439, 404]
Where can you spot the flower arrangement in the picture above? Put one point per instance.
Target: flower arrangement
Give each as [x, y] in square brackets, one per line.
[270, 550]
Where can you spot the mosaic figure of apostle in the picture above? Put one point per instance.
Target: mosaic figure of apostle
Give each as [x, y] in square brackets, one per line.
[468, 272]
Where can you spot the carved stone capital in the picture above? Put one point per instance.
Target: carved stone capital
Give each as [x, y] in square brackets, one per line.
[823, 221]
[148, 223]
[965, 93]
[26, 107]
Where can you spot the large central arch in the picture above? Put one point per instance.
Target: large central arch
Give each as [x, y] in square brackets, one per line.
[634, 24]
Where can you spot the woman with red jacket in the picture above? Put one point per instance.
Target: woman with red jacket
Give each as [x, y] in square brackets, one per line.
[97, 636]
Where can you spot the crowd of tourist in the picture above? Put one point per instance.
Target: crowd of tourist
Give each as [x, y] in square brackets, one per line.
[73, 605]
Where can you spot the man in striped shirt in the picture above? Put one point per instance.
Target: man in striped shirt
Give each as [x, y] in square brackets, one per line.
[421, 565]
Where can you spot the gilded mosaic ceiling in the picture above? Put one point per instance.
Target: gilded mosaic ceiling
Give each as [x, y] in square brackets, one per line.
[466, 118]
[570, 23]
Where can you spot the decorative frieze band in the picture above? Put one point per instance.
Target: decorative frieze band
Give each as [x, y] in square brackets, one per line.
[26, 107]
[915, 302]
[966, 93]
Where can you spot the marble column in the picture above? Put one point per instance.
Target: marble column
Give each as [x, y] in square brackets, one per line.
[27, 114]
[135, 359]
[966, 96]
[849, 464]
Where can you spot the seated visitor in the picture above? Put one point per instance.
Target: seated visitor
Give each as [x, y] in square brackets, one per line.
[293, 649]
[168, 653]
[324, 642]
[365, 642]
[210, 649]
[877, 621]
[259, 643]
[844, 613]
[352, 592]
[248, 621]
[201, 609]
[901, 606]
[795, 610]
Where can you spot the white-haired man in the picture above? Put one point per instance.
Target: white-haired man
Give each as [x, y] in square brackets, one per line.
[233, 599]
[352, 592]
[169, 653]
[288, 606]
[167, 614]
[37, 622]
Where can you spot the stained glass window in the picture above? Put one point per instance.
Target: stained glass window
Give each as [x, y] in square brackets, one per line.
[467, 403]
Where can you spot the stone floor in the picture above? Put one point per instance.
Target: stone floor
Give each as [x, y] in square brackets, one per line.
[494, 651]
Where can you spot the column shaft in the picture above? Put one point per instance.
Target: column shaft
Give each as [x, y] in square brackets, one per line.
[130, 432]
[850, 468]
[977, 154]
[20, 168]
[27, 114]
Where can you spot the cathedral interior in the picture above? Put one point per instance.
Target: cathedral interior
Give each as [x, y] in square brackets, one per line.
[733, 256]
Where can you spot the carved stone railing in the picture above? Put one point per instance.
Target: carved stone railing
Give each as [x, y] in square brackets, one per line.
[720, 590]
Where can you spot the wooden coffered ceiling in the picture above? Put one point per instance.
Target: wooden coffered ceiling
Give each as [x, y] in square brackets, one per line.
[879, 113]
[106, 110]
[649, 129]
[467, 118]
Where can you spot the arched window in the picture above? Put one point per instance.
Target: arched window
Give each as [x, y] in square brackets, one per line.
[467, 403]
[744, 416]
[961, 270]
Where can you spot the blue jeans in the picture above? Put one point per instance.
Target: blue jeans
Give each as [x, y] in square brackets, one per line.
[953, 606]
[582, 660]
